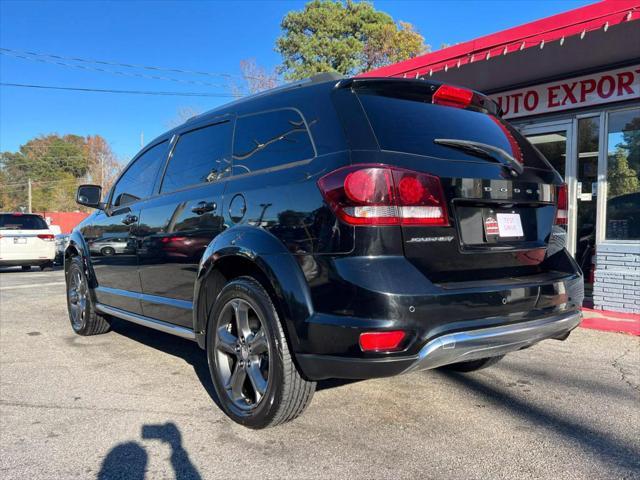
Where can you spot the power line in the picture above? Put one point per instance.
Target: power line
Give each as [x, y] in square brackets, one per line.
[131, 92]
[113, 72]
[38, 182]
[129, 65]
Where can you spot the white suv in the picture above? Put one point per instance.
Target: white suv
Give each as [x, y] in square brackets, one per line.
[25, 240]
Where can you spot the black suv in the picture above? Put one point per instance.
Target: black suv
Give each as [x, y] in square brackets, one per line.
[332, 228]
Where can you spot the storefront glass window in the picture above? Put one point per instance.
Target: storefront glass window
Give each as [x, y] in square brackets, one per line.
[623, 175]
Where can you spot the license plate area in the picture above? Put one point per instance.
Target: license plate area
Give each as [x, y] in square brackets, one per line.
[502, 227]
[19, 240]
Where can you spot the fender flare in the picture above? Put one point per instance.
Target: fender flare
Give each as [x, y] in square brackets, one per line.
[268, 254]
[78, 247]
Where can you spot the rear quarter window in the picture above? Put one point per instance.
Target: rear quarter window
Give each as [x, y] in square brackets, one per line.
[411, 125]
[270, 139]
[22, 222]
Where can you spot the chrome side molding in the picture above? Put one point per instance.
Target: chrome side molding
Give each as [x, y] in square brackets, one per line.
[493, 341]
[147, 322]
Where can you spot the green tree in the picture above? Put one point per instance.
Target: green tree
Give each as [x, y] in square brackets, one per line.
[55, 165]
[631, 137]
[621, 178]
[345, 37]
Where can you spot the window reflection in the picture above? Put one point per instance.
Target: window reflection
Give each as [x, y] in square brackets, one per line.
[270, 139]
[623, 175]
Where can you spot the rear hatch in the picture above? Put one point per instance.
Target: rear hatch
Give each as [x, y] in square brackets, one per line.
[24, 236]
[498, 192]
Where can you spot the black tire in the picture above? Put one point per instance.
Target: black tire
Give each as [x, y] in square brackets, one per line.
[25, 268]
[46, 266]
[82, 313]
[285, 393]
[107, 251]
[473, 365]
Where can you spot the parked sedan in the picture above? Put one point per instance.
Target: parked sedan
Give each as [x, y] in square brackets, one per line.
[109, 246]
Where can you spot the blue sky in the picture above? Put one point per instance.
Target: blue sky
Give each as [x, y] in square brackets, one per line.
[209, 36]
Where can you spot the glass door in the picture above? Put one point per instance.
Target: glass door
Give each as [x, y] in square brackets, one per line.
[580, 173]
[587, 153]
[555, 142]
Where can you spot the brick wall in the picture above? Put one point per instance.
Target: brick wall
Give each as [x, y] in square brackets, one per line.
[617, 278]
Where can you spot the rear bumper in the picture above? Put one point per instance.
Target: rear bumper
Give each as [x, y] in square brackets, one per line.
[491, 342]
[30, 257]
[16, 262]
[446, 349]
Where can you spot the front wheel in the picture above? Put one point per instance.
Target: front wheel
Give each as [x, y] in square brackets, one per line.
[82, 313]
[257, 383]
[107, 251]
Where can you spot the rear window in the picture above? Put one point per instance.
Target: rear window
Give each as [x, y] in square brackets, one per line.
[411, 125]
[22, 222]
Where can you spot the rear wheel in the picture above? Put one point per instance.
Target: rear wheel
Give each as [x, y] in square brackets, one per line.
[257, 383]
[473, 365]
[26, 268]
[108, 251]
[82, 313]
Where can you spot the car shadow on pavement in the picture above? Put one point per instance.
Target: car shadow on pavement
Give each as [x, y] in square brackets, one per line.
[624, 391]
[129, 460]
[176, 346]
[190, 353]
[4, 270]
[601, 444]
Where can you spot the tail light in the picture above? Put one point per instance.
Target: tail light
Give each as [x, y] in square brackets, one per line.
[382, 195]
[381, 341]
[47, 237]
[562, 215]
[172, 239]
[452, 96]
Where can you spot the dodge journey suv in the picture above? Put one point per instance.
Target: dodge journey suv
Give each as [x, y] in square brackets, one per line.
[332, 228]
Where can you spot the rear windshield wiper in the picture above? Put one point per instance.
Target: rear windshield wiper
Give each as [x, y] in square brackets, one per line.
[483, 150]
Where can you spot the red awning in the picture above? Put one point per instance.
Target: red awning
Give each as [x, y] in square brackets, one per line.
[578, 22]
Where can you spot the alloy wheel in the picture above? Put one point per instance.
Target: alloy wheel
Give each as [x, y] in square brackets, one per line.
[241, 348]
[77, 295]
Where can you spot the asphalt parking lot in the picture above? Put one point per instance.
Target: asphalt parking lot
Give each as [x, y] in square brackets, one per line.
[136, 403]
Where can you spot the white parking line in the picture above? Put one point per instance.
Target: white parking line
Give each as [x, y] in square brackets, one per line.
[31, 285]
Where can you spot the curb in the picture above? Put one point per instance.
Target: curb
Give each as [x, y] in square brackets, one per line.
[607, 321]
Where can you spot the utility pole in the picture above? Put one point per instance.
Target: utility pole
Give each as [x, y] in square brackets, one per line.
[102, 170]
[29, 195]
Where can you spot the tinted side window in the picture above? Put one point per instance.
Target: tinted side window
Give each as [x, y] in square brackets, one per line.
[137, 182]
[270, 139]
[200, 156]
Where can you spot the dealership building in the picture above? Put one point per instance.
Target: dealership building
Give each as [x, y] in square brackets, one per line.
[571, 84]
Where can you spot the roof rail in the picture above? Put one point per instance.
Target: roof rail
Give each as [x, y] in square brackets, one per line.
[317, 78]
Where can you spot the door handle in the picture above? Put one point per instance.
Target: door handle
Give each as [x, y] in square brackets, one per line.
[129, 219]
[203, 207]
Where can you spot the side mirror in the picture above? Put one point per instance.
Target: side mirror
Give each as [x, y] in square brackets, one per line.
[89, 196]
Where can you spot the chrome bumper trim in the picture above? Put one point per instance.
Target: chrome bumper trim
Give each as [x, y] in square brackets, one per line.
[147, 322]
[493, 341]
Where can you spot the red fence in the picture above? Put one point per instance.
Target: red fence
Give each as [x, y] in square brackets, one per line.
[65, 220]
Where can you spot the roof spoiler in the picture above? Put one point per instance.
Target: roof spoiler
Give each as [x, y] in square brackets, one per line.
[437, 92]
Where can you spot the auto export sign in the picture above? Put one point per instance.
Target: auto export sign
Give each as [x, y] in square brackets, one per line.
[604, 87]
